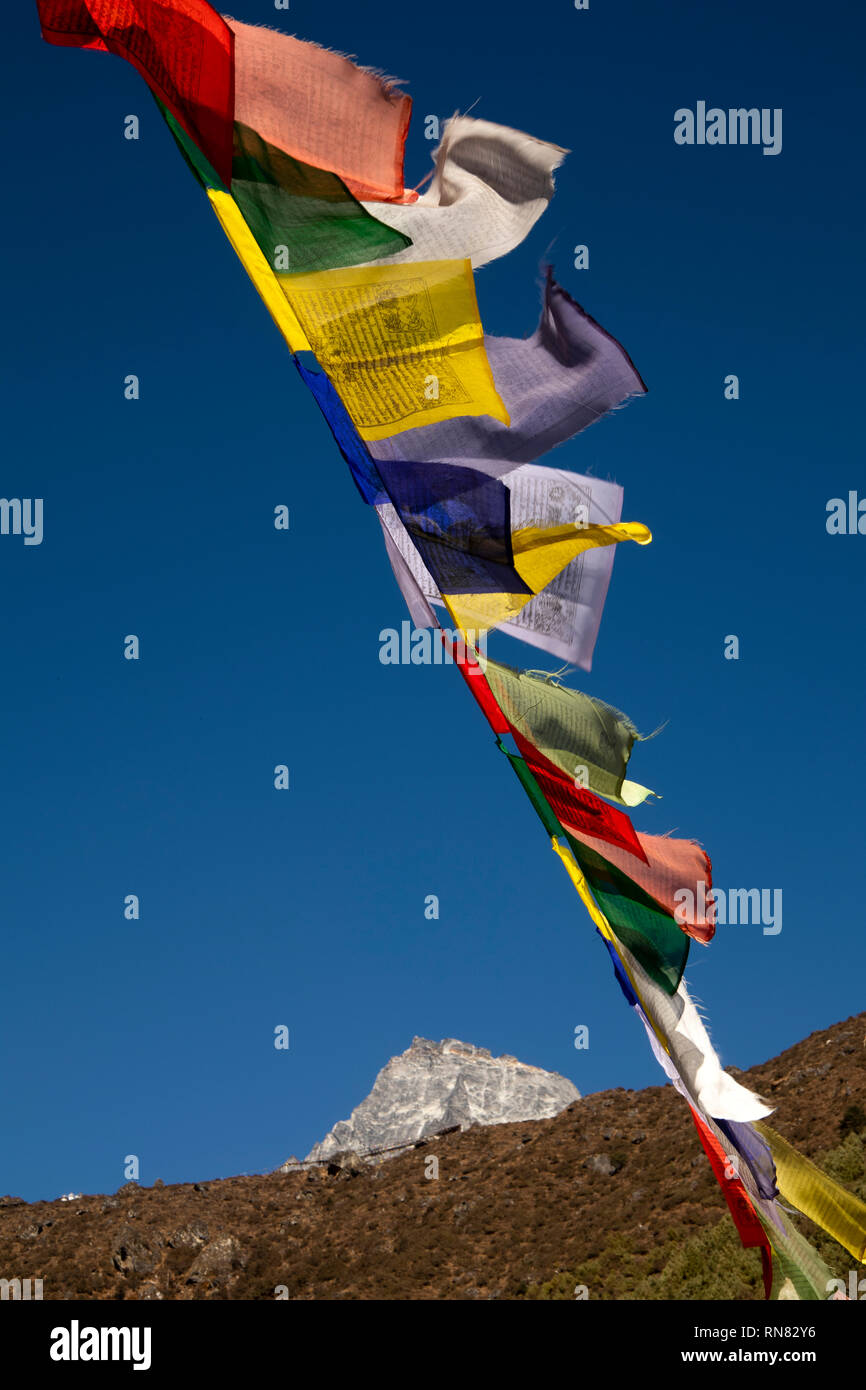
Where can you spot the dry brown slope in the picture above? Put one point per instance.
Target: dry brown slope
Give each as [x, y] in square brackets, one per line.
[512, 1206]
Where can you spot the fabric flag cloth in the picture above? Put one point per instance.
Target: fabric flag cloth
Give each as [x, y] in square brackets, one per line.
[565, 617]
[401, 344]
[302, 219]
[623, 962]
[553, 384]
[182, 48]
[361, 465]
[460, 523]
[565, 376]
[755, 1152]
[745, 1218]
[654, 940]
[258, 269]
[674, 1022]
[677, 874]
[575, 807]
[490, 186]
[683, 1050]
[650, 934]
[473, 674]
[829, 1205]
[677, 1022]
[798, 1270]
[572, 731]
[323, 109]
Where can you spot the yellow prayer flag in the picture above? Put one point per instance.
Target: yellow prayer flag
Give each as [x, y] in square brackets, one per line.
[539, 556]
[402, 344]
[829, 1205]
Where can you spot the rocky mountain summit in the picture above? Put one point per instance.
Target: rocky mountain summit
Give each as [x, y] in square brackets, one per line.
[436, 1086]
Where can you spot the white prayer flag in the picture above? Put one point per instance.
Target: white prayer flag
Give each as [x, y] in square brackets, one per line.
[564, 618]
[490, 187]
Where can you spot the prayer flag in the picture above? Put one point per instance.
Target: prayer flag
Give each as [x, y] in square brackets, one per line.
[651, 935]
[491, 184]
[677, 874]
[322, 108]
[582, 737]
[459, 521]
[575, 807]
[564, 618]
[569, 373]
[402, 344]
[827, 1203]
[182, 48]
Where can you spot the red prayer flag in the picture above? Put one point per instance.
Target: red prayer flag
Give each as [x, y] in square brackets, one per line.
[745, 1217]
[182, 48]
[578, 809]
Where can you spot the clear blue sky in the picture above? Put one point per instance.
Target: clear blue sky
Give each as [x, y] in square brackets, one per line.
[155, 777]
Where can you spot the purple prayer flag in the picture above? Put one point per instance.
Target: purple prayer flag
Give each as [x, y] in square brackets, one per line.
[564, 377]
[756, 1153]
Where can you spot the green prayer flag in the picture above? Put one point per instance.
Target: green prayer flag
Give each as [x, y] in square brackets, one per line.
[303, 219]
[652, 936]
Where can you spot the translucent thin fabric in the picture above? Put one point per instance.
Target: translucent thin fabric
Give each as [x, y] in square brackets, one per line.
[669, 866]
[817, 1196]
[403, 345]
[567, 375]
[301, 218]
[651, 935]
[491, 184]
[322, 108]
[564, 618]
[182, 49]
[575, 732]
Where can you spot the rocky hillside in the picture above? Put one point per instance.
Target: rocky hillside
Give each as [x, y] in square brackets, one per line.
[435, 1086]
[613, 1192]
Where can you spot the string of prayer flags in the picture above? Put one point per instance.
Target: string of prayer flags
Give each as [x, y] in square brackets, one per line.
[300, 151]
